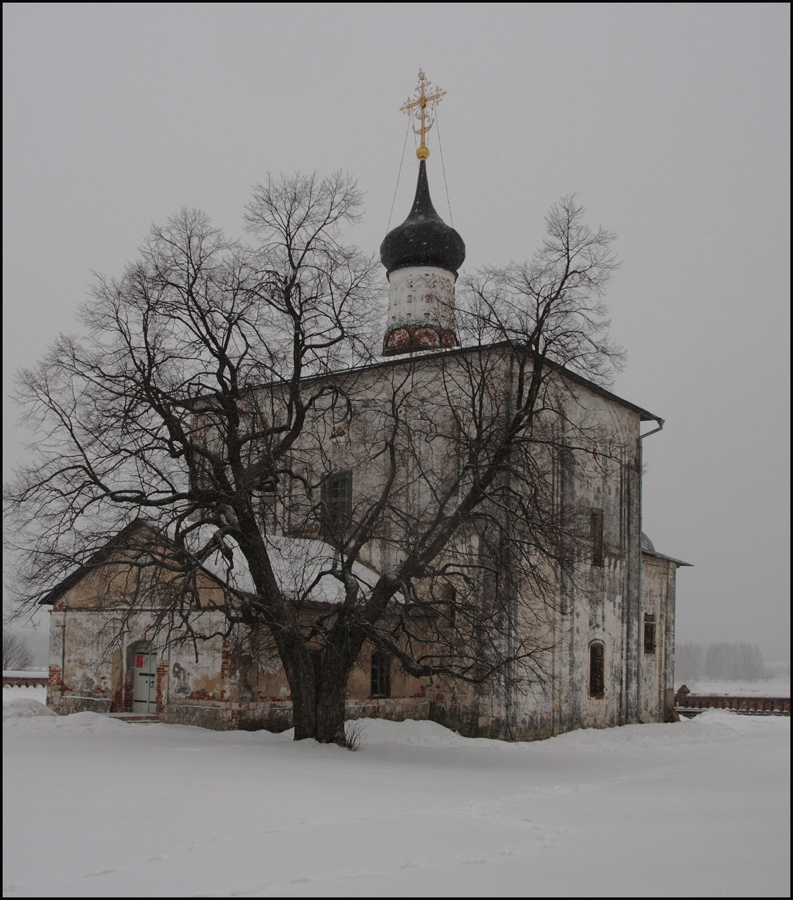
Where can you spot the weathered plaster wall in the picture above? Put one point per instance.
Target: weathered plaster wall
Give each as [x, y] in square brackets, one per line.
[658, 600]
[92, 651]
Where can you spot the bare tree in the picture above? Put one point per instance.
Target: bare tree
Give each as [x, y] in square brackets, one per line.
[226, 392]
[733, 662]
[17, 655]
[689, 661]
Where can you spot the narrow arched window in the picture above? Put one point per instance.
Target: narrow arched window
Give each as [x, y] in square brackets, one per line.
[597, 670]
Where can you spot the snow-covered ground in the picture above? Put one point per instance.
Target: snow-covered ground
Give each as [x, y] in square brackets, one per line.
[97, 807]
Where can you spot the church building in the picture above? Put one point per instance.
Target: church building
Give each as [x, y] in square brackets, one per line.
[599, 624]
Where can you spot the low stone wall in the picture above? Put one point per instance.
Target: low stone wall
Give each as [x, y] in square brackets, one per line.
[277, 715]
[690, 704]
[23, 679]
[396, 710]
[215, 717]
[74, 704]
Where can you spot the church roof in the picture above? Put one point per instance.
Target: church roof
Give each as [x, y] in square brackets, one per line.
[507, 346]
[423, 239]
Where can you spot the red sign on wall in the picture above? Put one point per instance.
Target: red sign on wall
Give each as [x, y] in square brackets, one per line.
[139, 663]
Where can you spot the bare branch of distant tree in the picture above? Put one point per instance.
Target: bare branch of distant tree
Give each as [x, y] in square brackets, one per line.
[17, 655]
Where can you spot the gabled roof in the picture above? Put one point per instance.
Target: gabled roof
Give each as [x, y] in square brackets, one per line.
[98, 559]
[427, 356]
[301, 565]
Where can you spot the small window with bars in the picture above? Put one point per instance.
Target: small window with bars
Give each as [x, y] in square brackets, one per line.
[649, 633]
[338, 504]
[381, 674]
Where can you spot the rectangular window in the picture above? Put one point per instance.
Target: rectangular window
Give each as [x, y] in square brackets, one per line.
[596, 525]
[449, 609]
[381, 674]
[649, 633]
[338, 505]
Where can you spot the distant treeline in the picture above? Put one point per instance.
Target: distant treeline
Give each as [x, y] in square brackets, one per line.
[718, 662]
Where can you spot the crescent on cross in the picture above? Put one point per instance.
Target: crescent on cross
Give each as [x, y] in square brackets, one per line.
[420, 106]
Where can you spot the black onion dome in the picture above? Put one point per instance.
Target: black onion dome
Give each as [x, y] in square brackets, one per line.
[423, 239]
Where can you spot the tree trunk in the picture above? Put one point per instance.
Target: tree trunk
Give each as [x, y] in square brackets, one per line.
[299, 671]
[341, 650]
[319, 693]
[331, 711]
[304, 710]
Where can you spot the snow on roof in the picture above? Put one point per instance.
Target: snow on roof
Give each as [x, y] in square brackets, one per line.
[305, 569]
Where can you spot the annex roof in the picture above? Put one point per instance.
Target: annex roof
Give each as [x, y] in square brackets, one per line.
[303, 567]
[648, 549]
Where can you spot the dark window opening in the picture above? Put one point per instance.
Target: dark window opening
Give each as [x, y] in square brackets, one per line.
[649, 633]
[443, 600]
[596, 523]
[597, 673]
[338, 504]
[381, 674]
[450, 604]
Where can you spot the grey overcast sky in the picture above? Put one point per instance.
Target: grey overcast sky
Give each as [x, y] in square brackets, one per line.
[671, 123]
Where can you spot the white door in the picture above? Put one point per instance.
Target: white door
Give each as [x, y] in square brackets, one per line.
[144, 682]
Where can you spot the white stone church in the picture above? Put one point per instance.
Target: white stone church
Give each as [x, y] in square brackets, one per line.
[605, 639]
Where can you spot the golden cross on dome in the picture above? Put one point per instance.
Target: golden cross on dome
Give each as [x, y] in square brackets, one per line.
[420, 104]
